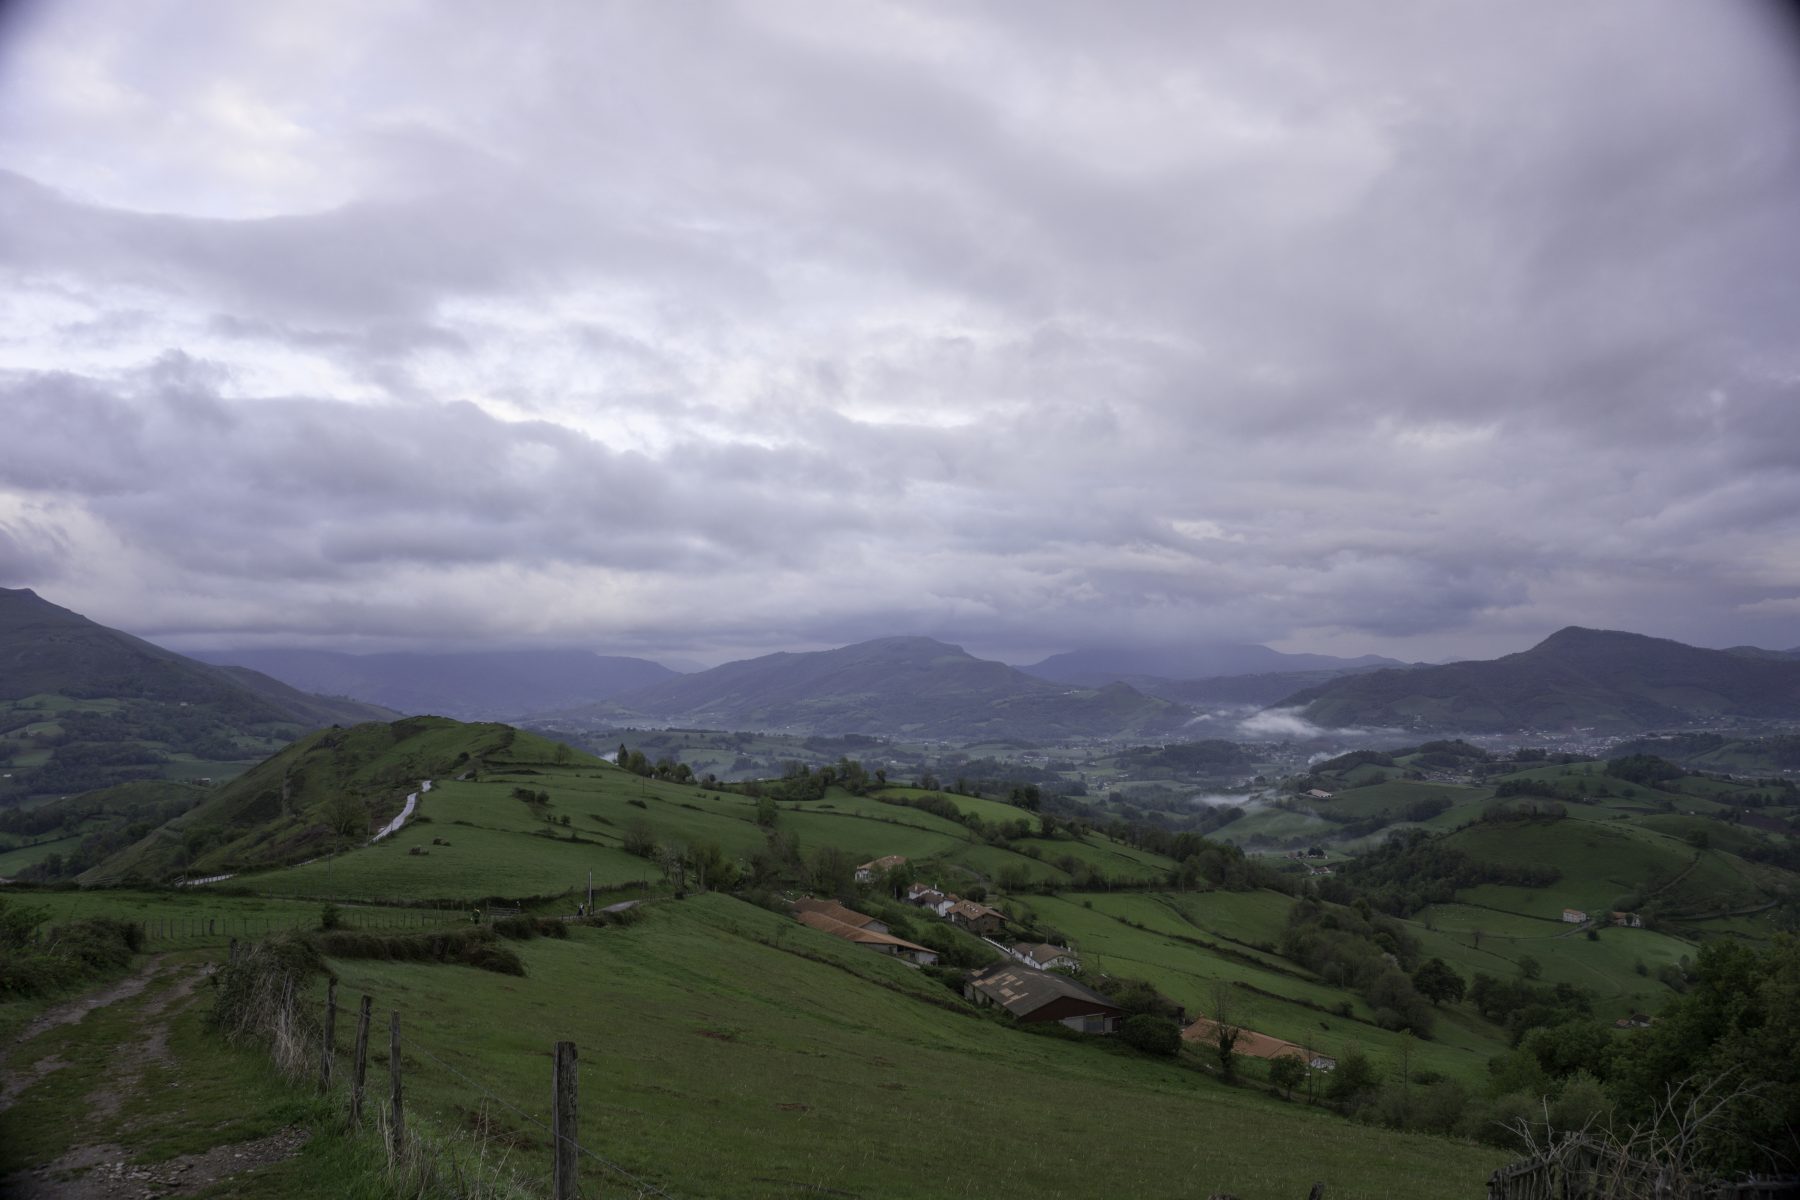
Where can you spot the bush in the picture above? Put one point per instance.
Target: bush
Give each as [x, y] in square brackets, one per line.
[469, 946]
[331, 917]
[65, 956]
[256, 999]
[1152, 1034]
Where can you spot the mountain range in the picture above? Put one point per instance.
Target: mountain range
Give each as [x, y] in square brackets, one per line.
[904, 687]
[469, 686]
[1604, 680]
[84, 706]
[1096, 666]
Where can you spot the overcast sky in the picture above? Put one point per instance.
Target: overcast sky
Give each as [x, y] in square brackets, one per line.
[710, 328]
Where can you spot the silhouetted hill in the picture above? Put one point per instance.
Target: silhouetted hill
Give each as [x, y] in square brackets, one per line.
[48, 649]
[902, 687]
[1204, 660]
[487, 684]
[1261, 690]
[1576, 678]
[83, 706]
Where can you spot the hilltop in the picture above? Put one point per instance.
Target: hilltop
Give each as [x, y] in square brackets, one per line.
[329, 790]
[485, 685]
[901, 686]
[84, 706]
[1576, 678]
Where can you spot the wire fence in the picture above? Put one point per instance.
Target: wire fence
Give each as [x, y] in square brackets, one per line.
[166, 930]
[560, 1129]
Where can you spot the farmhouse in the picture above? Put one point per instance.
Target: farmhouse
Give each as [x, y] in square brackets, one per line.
[1634, 1021]
[1036, 997]
[1319, 794]
[925, 896]
[837, 912]
[1259, 1045]
[879, 866]
[976, 918]
[1629, 920]
[1045, 957]
[1574, 916]
[881, 943]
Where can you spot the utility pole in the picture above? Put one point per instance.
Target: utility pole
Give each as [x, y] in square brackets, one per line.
[590, 906]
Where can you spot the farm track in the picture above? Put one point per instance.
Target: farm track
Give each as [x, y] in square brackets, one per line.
[97, 1167]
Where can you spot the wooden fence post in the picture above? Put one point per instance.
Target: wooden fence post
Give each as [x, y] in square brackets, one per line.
[397, 1118]
[360, 1068]
[327, 1041]
[565, 1179]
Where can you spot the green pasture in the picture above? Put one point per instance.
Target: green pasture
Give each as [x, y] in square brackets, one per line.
[1114, 860]
[806, 1066]
[1274, 996]
[477, 862]
[1391, 799]
[994, 811]
[1605, 966]
[17, 858]
[202, 916]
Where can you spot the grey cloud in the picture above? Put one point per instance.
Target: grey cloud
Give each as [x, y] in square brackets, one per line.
[751, 326]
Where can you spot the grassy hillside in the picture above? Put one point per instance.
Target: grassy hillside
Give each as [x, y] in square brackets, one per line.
[808, 1067]
[328, 791]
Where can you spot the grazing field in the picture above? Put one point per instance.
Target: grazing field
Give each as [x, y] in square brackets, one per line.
[807, 1067]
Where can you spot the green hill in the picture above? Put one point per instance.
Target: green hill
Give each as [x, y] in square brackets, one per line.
[329, 790]
[1577, 678]
[902, 687]
[83, 706]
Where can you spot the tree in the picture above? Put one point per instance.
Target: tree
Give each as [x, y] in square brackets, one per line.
[1287, 1073]
[1437, 981]
[346, 815]
[1529, 967]
[767, 812]
[1225, 1033]
[1353, 1076]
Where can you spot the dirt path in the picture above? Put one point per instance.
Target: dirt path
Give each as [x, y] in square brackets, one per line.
[103, 1170]
[71, 1011]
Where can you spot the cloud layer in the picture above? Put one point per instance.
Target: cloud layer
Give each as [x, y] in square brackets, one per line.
[1419, 328]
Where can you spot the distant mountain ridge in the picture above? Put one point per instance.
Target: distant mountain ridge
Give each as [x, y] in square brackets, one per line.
[45, 648]
[1095, 666]
[109, 707]
[478, 685]
[900, 687]
[1576, 678]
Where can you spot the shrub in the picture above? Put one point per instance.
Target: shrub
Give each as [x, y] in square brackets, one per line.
[256, 999]
[331, 917]
[66, 955]
[469, 946]
[1152, 1034]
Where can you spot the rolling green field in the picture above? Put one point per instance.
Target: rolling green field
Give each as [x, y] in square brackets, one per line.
[805, 1066]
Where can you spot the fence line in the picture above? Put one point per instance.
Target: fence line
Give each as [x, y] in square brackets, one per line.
[563, 1140]
[180, 928]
